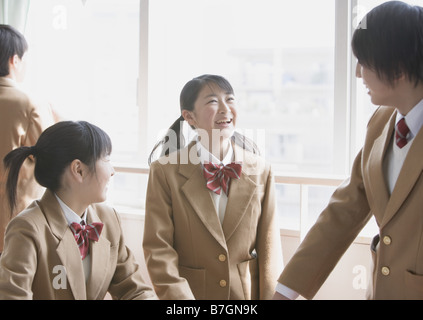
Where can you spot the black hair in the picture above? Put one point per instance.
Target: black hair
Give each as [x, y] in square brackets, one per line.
[55, 149]
[389, 40]
[12, 43]
[187, 99]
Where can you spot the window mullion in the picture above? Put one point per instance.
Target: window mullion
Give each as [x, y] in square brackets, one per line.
[342, 94]
[142, 85]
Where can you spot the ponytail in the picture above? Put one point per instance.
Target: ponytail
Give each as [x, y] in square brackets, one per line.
[168, 145]
[13, 162]
[172, 141]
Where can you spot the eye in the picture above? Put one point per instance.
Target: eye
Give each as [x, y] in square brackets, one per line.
[212, 101]
[230, 99]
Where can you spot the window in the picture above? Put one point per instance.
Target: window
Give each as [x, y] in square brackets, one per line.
[84, 57]
[278, 56]
[121, 64]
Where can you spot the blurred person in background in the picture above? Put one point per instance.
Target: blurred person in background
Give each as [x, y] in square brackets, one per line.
[21, 122]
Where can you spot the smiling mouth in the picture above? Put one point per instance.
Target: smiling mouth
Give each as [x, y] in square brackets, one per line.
[224, 121]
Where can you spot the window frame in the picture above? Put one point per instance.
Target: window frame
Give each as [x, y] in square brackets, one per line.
[344, 85]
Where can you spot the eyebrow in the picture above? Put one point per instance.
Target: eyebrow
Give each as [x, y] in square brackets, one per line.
[215, 95]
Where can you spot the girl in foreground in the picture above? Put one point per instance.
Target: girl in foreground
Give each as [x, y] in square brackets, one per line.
[66, 246]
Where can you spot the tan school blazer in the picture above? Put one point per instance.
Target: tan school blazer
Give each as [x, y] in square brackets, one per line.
[398, 262]
[39, 247]
[189, 253]
[22, 120]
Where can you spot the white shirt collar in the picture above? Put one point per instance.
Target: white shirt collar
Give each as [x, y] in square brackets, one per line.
[206, 156]
[414, 119]
[70, 215]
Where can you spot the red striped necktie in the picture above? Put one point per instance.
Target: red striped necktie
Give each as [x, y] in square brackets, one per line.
[218, 176]
[401, 133]
[83, 233]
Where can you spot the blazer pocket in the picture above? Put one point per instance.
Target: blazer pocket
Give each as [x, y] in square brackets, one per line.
[413, 286]
[196, 279]
[248, 272]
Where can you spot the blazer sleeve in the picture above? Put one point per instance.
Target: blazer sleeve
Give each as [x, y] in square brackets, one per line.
[20, 245]
[336, 228]
[268, 245]
[127, 282]
[160, 255]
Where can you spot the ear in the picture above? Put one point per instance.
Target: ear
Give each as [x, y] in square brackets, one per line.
[189, 117]
[77, 170]
[14, 61]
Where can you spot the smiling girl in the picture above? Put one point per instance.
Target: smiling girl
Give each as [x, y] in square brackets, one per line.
[66, 245]
[210, 224]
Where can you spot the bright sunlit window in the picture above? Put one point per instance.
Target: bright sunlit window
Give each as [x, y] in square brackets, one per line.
[121, 64]
[278, 57]
[84, 59]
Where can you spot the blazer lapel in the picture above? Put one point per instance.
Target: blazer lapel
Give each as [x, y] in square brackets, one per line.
[66, 250]
[100, 260]
[410, 173]
[376, 177]
[199, 197]
[241, 192]
[71, 260]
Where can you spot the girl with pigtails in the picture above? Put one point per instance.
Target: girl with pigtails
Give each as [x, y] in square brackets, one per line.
[210, 222]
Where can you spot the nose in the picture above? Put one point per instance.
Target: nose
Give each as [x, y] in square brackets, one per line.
[358, 70]
[224, 108]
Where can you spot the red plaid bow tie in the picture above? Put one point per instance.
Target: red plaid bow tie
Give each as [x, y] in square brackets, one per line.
[218, 176]
[83, 233]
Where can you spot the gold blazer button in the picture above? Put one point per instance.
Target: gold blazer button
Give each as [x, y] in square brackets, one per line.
[222, 257]
[387, 240]
[385, 271]
[222, 283]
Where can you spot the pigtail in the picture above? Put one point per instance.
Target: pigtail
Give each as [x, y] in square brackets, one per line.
[172, 141]
[13, 162]
[245, 143]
